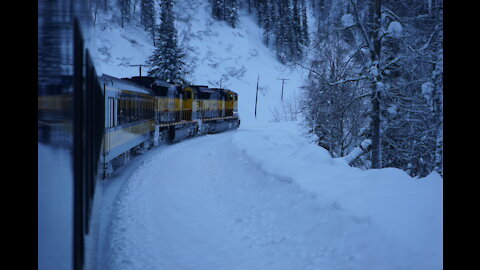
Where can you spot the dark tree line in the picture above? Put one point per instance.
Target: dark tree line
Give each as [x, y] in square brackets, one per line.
[225, 10]
[285, 26]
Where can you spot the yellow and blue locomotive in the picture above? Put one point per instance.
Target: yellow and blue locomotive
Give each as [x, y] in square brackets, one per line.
[143, 112]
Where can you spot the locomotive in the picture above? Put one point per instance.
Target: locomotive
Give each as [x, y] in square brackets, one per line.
[143, 112]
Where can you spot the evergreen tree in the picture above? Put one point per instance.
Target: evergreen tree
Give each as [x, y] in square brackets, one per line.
[383, 59]
[217, 9]
[297, 38]
[124, 6]
[268, 22]
[225, 10]
[147, 17]
[304, 27]
[231, 12]
[167, 60]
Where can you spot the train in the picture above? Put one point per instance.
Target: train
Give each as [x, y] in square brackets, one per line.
[89, 125]
[144, 112]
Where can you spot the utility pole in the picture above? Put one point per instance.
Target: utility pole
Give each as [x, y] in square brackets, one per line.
[283, 81]
[139, 68]
[256, 97]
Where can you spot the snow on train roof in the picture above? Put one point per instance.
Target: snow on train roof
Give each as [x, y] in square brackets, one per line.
[125, 85]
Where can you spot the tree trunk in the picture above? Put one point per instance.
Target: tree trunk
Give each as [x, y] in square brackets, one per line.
[376, 94]
[376, 140]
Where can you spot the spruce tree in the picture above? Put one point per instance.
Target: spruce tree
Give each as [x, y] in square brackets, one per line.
[167, 60]
[231, 12]
[268, 23]
[217, 9]
[147, 17]
[297, 34]
[304, 27]
[124, 6]
[225, 10]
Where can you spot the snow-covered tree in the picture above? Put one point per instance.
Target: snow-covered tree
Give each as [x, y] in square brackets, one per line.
[225, 10]
[304, 27]
[390, 54]
[167, 62]
[124, 7]
[147, 17]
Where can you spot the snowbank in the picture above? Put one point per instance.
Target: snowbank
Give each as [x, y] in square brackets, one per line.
[263, 197]
[409, 209]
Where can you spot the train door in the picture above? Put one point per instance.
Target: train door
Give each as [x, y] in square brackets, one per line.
[221, 102]
[229, 104]
[188, 104]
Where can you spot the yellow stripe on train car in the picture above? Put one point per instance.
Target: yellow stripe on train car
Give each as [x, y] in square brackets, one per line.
[120, 136]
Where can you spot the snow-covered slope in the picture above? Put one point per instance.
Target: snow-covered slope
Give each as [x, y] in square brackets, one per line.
[217, 55]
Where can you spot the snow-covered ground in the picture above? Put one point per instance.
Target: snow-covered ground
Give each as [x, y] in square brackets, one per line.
[262, 196]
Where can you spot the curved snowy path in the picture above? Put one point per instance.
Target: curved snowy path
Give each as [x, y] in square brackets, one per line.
[202, 204]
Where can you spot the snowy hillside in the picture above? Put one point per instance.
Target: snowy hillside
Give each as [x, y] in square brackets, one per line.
[262, 196]
[217, 55]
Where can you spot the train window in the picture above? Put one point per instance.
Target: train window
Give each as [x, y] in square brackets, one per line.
[144, 106]
[130, 111]
[121, 112]
[111, 115]
[136, 111]
[188, 95]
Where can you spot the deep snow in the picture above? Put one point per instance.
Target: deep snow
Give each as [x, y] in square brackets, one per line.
[263, 197]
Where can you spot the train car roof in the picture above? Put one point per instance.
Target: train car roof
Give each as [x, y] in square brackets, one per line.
[124, 84]
[144, 80]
